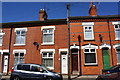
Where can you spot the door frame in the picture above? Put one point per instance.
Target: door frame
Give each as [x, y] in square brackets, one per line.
[103, 56]
[5, 52]
[103, 46]
[63, 50]
[79, 63]
[5, 56]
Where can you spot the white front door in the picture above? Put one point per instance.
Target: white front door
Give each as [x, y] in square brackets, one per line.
[64, 62]
[5, 65]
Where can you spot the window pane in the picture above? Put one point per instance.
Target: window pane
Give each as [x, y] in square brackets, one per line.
[92, 50]
[118, 49]
[21, 57]
[47, 62]
[44, 31]
[22, 32]
[17, 39]
[86, 50]
[16, 54]
[21, 54]
[20, 38]
[44, 54]
[50, 62]
[17, 32]
[90, 28]
[16, 58]
[51, 31]
[116, 26]
[90, 58]
[117, 33]
[50, 55]
[47, 37]
[88, 34]
[118, 57]
[0, 39]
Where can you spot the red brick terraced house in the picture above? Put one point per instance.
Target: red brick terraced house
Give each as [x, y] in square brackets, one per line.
[94, 43]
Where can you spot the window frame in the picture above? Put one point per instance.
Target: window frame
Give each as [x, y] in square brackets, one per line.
[88, 24]
[53, 33]
[117, 52]
[19, 51]
[1, 33]
[20, 29]
[90, 53]
[116, 23]
[115, 29]
[45, 51]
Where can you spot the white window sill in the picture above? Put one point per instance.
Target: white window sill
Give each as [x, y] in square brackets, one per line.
[88, 39]
[0, 44]
[87, 64]
[118, 63]
[117, 39]
[47, 43]
[19, 44]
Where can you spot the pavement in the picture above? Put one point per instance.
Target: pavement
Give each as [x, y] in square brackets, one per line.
[87, 77]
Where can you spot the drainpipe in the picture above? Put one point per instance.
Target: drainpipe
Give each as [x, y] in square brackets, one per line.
[9, 49]
[80, 63]
[110, 41]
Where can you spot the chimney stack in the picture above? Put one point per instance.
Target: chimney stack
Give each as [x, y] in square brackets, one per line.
[43, 15]
[92, 10]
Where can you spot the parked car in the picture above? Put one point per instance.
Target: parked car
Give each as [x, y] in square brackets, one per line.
[110, 74]
[113, 69]
[33, 72]
[0, 76]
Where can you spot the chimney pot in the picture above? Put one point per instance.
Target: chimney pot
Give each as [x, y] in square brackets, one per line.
[92, 10]
[43, 15]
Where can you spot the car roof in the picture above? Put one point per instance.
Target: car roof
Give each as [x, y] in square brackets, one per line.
[28, 64]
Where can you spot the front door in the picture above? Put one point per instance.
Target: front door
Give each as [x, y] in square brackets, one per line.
[64, 61]
[75, 62]
[106, 58]
[74, 59]
[5, 63]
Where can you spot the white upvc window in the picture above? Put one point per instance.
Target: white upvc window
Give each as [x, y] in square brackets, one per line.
[20, 36]
[90, 56]
[48, 58]
[19, 56]
[1, 37]
[88, 30]
[118, 54]
[1, 40]
[48, 35]
[117, 31]
[88, 33]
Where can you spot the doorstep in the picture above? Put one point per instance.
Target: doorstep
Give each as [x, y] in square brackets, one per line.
[81, 76]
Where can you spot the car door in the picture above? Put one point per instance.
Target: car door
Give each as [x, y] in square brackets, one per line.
[25, 72]
[37, 74]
